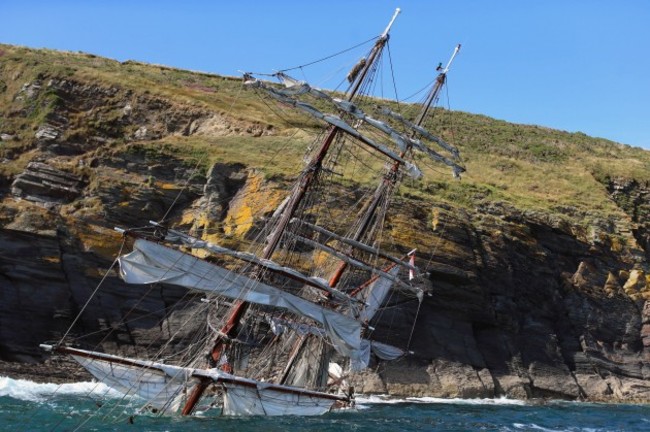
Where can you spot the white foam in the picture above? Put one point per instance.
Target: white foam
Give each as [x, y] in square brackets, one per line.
[384, 399]
[533, 426]
[32, 391]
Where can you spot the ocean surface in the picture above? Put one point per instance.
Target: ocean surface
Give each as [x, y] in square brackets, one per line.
[28, 406]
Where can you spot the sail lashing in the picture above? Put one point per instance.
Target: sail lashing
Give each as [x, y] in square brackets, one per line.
[195, 243]
[294, 88]
[161, 386]
[151, 263]
[339, 123]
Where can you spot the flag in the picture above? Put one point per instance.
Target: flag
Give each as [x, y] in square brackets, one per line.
[412, 262]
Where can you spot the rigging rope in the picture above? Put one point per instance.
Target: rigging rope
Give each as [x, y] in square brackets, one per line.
[93, 293]
[329, 56]
[392, 73]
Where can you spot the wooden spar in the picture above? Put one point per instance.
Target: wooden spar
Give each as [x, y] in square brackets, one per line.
[297, 348]
[354, 243]
[336, 121]
[390, 179]
[353, 261]
[196, 394]
[307, 178]
[367, 283]
[314, 166]
[196, 373]
[265, 264]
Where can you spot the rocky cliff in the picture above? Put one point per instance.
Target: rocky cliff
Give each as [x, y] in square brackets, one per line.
[537, 262]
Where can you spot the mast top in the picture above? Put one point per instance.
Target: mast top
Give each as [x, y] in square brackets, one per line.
[384, 35]
[453, 56]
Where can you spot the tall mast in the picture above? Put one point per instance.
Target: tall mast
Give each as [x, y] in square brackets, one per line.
[390, 179]
[307, 177]
[310, 173]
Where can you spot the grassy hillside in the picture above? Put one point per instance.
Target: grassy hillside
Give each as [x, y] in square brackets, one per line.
[525, 166]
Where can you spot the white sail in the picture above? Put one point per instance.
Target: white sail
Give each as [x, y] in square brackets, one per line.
[241, 400]
[385, 351]
[381, 350]
[375, 295]
[152, 263]
[159, 388]
[334, 120]
[193, 242]
[162, 385]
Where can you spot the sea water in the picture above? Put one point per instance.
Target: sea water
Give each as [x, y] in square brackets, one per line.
[28, 406]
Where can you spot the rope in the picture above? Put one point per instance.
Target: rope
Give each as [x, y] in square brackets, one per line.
[415, 320]
[93, 293]
[329, 56]
[429, 84]
[392, 74]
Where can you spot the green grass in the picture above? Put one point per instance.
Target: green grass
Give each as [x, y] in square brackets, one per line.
[526, 166]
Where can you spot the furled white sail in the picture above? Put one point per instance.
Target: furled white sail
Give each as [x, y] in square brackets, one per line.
[162, 385]
[334, 120]
[422, 131]
[195, 243]
[401, 140]
[152, 263]
[241, 400]
[295, 87]
[375, 294]
[161, 389]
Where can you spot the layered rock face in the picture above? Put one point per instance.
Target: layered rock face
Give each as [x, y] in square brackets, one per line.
[526, 310]
[515, 308]
[523, 304]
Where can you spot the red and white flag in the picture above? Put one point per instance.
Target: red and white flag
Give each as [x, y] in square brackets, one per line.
[412, 262]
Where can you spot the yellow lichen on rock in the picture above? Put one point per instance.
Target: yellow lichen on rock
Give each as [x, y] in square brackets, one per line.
[406, 230]
[96, 239]
[623, 275]
[253, 200]
[435, 218]
[204, 228]
[612, 287]
[635, 286]
[239, 220]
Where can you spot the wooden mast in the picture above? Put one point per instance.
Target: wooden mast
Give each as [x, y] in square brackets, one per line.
[390, 179]
[309, 174]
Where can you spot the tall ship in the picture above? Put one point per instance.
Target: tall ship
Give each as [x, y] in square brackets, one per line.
[291, 321]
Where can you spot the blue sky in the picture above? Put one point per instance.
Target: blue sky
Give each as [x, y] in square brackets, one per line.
[575, 65]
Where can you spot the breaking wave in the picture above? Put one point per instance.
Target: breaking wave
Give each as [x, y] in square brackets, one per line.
[35, 392]
[385, 399]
